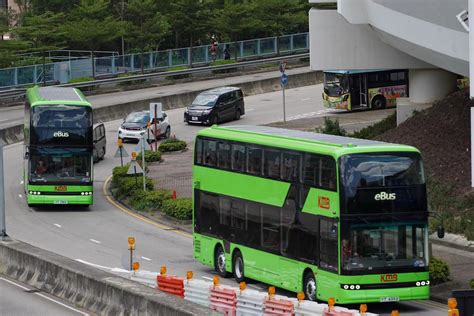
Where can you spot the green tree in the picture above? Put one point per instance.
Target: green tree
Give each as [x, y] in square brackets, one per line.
[57, 6]
[146, 27]
[90, 26]
[43, 32]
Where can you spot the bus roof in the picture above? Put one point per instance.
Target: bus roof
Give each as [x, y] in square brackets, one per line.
[353, 72]
[299, 140]
[54, 95]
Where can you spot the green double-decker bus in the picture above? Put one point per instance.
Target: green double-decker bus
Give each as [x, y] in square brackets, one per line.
[327, 215]
[58, 147]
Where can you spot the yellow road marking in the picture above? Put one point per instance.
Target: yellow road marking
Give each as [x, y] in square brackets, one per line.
[144, 219]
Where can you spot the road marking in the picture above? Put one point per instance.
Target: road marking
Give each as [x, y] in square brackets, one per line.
[431, 304]
[146, 220]
[207, 278]
[249, 110]
[21, 182]
[145, 258]
[57, 225]
[44, 296]
[19, 195]
[92, 264]
[96, 241]
[256, 287]
[305, 99]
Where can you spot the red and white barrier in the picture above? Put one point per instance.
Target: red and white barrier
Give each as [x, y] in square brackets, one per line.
[280, 305]
[197, 291]
[224, 299]
[171, 284]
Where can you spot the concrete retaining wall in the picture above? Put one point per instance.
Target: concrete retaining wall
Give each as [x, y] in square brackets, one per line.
[117, 111]
[94, 290]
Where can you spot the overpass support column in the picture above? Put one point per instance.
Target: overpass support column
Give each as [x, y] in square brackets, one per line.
[426, 86]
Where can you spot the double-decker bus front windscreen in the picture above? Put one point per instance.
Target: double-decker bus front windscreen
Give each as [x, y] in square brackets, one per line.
[61, 125]
[60, 166]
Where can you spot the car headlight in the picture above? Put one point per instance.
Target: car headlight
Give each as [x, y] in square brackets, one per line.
[206, 111]
[186, 110]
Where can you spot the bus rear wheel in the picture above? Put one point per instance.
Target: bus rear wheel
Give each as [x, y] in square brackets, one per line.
[238, 267]
[379, 102]
[219, 262]
[309, 286]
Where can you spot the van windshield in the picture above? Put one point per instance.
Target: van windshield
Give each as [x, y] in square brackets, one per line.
[206, 100]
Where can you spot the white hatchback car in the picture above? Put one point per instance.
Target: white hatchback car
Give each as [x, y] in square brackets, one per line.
[134, 126]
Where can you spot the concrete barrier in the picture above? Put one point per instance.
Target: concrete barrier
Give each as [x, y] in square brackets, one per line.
[112, 112]
[87, 287]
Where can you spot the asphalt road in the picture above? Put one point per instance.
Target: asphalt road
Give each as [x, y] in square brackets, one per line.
[18, 299]
[99, 235]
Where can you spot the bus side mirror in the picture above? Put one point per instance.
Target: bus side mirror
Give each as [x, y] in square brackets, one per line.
[440, 231]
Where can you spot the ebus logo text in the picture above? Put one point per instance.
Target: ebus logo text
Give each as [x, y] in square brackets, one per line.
[61, 134]
[384, 196]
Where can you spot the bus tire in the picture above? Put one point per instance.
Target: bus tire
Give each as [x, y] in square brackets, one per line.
[379, 102]
[219, 262]
[238, 266]
[309, 286]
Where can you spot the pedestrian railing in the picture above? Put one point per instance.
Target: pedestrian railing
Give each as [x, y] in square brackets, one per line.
[114, 65]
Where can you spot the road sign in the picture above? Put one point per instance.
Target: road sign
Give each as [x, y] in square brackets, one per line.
[284, 79]
[121, 152]
[134, 168]
[140, 145]
[156, 110]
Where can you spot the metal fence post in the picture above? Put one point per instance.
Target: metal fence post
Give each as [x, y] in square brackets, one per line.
[241, 49]
[3, 229]
[132, 62]
[114, 71]
[307, 41]
[170, 58]
[15, 76]
[150, 60]
[258, 47]
[35, 74]
[291, 42]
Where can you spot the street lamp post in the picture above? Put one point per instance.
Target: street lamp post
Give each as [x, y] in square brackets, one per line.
[3, 229]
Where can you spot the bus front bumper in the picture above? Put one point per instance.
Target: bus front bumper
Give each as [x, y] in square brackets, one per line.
[383, 295]
[59, 199]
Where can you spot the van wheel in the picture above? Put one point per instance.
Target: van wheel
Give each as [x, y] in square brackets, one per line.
[379, 102]
[215, 120]
[309, 286]
[167, 133]
[237, 115]
[219, 262]
[102, 154]
[238, 267]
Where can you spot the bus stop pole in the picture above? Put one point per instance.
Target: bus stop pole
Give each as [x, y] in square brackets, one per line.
[3, 229]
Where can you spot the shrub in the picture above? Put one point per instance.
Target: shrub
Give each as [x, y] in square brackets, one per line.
[175, 77]
[125, 185]
[150, 156]
[83, 79]
[471, 283]
[331, 127]
[379, 128]
[439, 271]
[180, 208]
[172, 144]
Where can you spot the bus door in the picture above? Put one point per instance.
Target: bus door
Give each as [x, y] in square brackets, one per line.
[363, 89]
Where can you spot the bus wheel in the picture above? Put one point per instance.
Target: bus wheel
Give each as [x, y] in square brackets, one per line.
[219, 262]
[238, 267]
[309, 286]
[378, 102]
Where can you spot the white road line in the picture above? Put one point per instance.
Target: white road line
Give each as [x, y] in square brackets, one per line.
[305, 99]
[21, 182]
[57, 225]
[92, 264]
[19, 195]
[256, 287]
[44, 296]
[249, 110]
[145, 258]
[96, 241]
[207, 278]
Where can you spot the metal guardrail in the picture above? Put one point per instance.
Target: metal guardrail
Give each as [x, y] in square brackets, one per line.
[96, 67]
[18, 93]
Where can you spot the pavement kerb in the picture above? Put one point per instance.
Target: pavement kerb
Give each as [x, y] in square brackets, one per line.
[162, 224]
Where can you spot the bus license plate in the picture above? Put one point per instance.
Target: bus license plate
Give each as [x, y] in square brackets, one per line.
[61, 202]
[390, 299]
[194, 118]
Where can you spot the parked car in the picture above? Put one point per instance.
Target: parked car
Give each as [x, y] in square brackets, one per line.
[100, 142]
[134, 126]
[215, 106]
